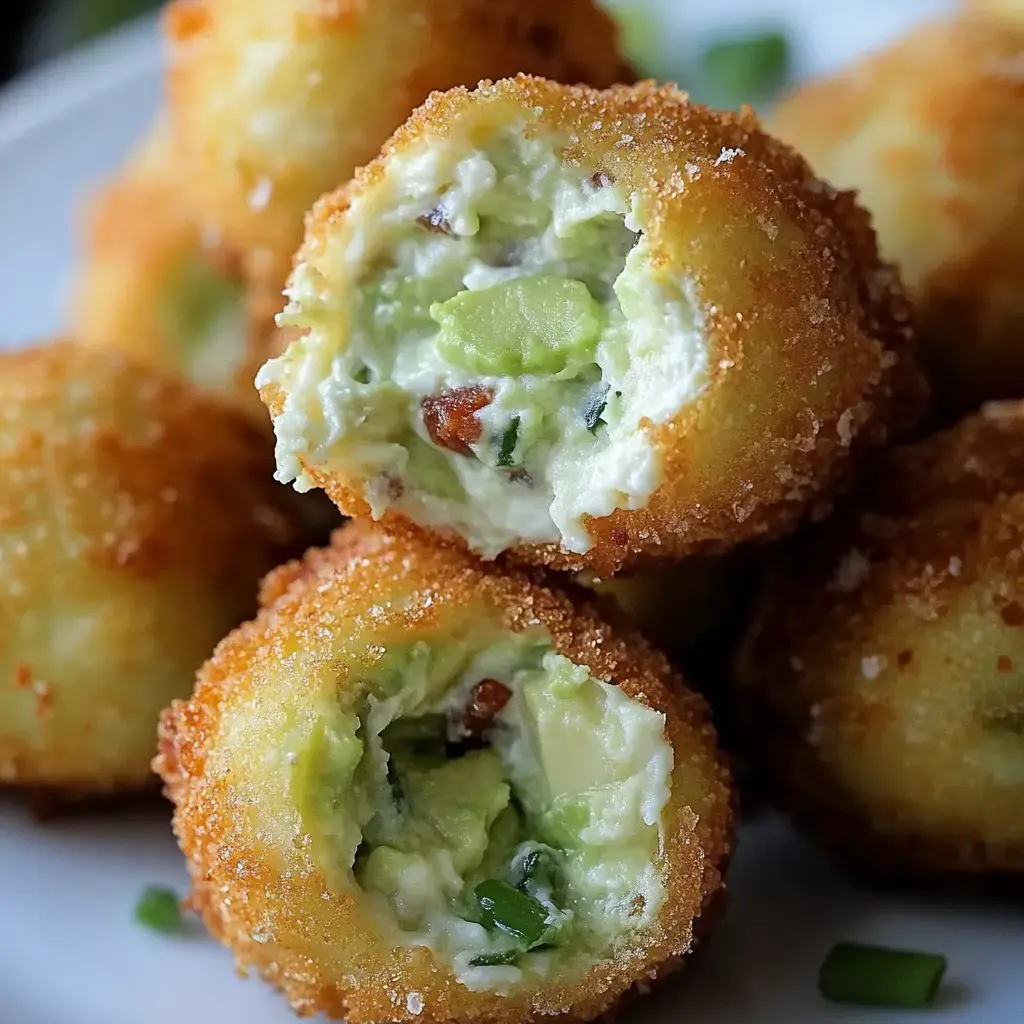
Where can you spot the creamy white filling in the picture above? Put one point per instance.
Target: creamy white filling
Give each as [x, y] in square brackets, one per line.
[585, 760]
[652, 355]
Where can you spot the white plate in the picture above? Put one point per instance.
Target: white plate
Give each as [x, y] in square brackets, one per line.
[69, 952]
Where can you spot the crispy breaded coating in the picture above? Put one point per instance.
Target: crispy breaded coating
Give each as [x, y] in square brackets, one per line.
[882, 681]
[798, 338]
[258, 872]
[930, 132]
[137, 516]
[156, 284]
[276, 101]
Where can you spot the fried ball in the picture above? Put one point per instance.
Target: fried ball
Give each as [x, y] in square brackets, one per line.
[155, 284]
[884, 677]
[137, 517]
[931, 134]
[277, 101]
[587, 327]
[415, 789]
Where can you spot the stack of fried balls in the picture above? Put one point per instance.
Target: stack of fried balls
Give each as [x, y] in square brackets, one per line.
[627, 404]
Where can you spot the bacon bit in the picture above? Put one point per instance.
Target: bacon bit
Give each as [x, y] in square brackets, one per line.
[22, 676]
[435, 221]
[1004, 664]
[450, 417]
[487, 699]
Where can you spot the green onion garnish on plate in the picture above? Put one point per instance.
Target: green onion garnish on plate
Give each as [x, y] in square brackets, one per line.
[746, 68]
[159, 910]
[877, 976]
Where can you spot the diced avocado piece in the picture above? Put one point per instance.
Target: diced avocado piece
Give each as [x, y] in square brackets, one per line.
[566, 819]
[506, 835]
[536, 325]
[581, 741]
[455, 804]
[409, 881]
[333, 809]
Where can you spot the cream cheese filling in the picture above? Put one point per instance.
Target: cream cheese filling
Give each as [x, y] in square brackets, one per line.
[573, 770]
[452, 218]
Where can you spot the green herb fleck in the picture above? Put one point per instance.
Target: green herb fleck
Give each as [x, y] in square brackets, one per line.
[511, 911]
[510, 956]
[536, 866]
[160, 910]
[507, 447]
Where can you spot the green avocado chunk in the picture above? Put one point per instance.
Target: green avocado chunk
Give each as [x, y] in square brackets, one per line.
[536, 325]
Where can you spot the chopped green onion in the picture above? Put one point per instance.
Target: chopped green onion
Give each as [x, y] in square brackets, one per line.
[510, 910]
[160, 910]
[510, 956]
[747, 69]
[595, 405]
[536, 866]
[876, 976]
[508, 443]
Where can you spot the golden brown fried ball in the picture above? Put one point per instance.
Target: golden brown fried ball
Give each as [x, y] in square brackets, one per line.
[274, 758]
[931, 134]
[587, 328]
[155, 284]
[884, 677]
[137, 516]
[277, 101]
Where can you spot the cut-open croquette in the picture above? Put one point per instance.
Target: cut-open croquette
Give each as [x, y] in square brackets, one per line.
[587, 326]
[415, 789]
[155, 284]
[136, 518]
[276, 101]
[931, 133]
[883, 680]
